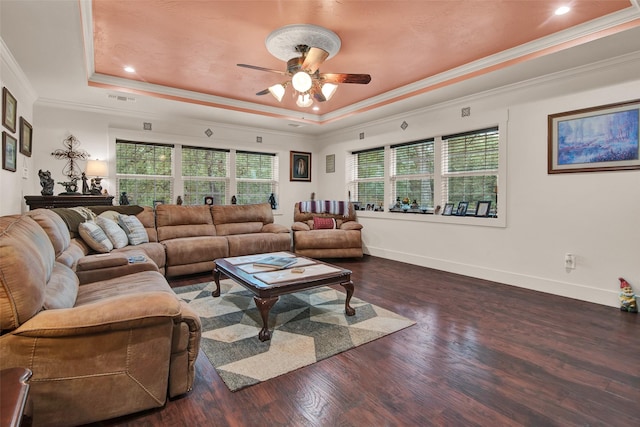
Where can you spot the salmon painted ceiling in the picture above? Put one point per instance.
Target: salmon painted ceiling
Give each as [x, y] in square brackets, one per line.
[189, 50]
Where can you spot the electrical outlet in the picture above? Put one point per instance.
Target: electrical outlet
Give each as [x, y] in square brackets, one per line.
[570, 261]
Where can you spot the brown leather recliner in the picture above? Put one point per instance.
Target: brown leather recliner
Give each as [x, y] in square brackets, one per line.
[343, 241]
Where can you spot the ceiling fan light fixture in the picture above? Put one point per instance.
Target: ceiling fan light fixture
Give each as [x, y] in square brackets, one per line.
[304, 100]
[277, 91]
[328, 89]
[301, 81]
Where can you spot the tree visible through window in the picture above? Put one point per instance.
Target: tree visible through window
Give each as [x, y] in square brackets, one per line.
[367, 176]
[144, 172]
[205, 172]
[470, 171]
[412, 172]
[256, 177]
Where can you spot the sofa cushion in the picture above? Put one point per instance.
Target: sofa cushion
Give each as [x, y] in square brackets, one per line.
[54, 226]
[93, 236]
[26, 264]
[134, 229]
[176, 221]
[323, 223]
[113, 231]
[62, 288]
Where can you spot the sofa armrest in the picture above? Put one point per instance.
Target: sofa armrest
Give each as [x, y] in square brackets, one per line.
[98, 261]
[300, 226]
[351, 225]
[117, 313]
[274, 228]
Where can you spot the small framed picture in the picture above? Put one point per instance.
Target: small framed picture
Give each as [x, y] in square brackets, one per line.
[462, 208]
[300, 167]
[26, 137]
[9, 152]
[330, 163]
[9, 110]
[448, 209]
[208, 200]
[482, 208]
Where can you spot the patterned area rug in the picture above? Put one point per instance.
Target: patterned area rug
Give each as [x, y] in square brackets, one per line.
[306, 326]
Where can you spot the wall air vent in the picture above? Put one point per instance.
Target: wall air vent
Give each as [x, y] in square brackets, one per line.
[296, 125]
[122, 98]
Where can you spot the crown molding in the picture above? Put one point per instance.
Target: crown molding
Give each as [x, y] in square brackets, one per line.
[10, 63]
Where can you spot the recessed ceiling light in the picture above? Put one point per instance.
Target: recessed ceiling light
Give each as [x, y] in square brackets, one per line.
[562, 10]
[129, 69]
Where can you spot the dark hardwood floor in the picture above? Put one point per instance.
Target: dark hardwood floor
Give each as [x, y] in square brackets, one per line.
[480, 354]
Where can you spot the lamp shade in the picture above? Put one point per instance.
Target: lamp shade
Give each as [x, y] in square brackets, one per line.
[277, 91]
[96, 168]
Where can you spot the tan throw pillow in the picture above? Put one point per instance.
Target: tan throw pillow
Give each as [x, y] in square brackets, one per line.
[113, 231]
[93, 236]
[134, 229]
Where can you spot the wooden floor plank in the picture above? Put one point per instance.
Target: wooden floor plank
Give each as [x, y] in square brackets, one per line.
[481, 353]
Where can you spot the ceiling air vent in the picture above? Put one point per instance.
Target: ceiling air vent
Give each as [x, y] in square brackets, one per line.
[122, 98]
[296, 125]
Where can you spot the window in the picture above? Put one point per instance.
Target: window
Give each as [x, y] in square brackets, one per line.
[470, 167]
[144, 171]
[205, 172]
[412, 172]
[367, 176]
[256, 176]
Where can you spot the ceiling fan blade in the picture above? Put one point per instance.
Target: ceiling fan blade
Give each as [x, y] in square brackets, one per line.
[362, 79]
[313, 59]
[319, 96]
[253, 67]
[263, 92]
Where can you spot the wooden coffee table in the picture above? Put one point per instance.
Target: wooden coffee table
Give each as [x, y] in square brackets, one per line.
[267, 285]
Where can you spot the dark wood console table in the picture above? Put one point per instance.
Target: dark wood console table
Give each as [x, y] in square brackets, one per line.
[49, 202]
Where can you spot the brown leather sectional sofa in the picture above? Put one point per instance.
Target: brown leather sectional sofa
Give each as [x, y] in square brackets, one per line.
[105, 337]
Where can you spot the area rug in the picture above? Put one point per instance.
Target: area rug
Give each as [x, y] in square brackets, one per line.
[306, 327]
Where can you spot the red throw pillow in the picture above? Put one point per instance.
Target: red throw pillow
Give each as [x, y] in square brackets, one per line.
[323, 223]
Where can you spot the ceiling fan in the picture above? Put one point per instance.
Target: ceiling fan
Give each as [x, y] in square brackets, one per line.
[303, 70]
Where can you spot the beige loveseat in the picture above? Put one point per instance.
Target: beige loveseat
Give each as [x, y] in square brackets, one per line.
[342, 241]
[99, 350]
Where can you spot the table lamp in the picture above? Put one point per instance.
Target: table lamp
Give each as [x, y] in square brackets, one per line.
[97, 169]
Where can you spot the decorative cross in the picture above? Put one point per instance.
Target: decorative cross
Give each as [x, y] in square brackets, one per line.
[71, 153]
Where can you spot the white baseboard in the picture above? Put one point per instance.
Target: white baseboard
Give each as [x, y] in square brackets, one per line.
[541, 284]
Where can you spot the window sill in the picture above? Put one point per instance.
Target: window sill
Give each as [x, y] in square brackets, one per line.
[419, 216]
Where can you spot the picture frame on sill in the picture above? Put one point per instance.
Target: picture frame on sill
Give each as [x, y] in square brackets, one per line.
[462, 208]
[9, 110]
[448, 209]
[26, 137]
[9, 152]
[300, 166]
[603, 138]
[483, 208]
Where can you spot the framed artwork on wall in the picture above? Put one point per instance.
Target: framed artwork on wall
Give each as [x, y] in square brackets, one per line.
[9, 152]
[300, 166]
[331, 163]
[603, 138]
[9, 110]
[26, 137]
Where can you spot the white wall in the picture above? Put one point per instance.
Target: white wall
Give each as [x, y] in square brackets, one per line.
[13, 185]
[592, 215]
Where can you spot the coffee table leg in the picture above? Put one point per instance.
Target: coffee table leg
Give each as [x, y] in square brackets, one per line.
[348, 286]
[216, 278]
[264, 305]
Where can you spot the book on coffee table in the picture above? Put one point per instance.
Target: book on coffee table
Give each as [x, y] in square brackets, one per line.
[275, 262]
